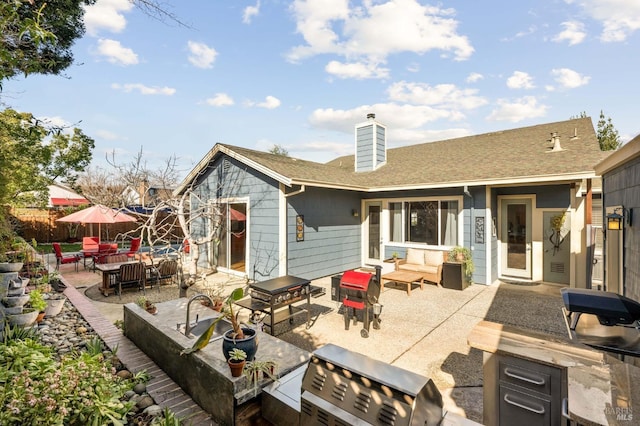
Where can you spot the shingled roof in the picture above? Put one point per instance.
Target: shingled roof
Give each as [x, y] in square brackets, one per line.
[511, 156]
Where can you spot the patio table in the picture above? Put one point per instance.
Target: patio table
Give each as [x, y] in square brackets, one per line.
[403, 277]
[109, 270]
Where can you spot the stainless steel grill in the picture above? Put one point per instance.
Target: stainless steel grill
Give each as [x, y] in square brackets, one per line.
[602, 320]
[343, 388]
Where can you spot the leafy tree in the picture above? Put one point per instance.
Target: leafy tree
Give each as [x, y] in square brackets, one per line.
[37, 36]
[608, 136]
[33, 155]
[279, 150]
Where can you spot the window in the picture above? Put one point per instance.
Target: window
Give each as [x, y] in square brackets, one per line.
[432, 222]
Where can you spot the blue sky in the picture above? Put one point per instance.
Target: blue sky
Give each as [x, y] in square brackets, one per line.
[301, 74]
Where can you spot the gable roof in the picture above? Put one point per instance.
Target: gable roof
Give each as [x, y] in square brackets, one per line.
[521, 155]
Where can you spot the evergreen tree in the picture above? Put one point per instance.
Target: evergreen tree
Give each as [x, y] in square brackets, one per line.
[607, 134]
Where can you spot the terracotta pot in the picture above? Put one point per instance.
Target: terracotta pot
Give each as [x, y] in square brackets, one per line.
[40, 317]
[236, 367]
[152, 310]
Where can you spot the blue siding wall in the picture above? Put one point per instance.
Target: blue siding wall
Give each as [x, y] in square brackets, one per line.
[364, 151]
[331, 233]
[381, 155]
[621, 187]
[227, 178]
[476, 207]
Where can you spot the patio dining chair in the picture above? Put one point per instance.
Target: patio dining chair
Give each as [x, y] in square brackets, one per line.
[131, 275]
[134, 247]
[62, 259]
[165, 272]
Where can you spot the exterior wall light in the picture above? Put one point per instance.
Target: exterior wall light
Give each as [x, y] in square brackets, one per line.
[354, 213]
[617, 221]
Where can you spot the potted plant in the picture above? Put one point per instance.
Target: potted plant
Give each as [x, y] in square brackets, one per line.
[255, 370]
[238, 337]
[147, 305]
[37, 302]
[463, 255]
[237, 359]
[216, 295]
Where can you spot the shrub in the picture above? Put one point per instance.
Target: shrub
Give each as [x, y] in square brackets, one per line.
[79, 389]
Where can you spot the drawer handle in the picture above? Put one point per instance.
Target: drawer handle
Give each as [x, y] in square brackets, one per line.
[513, 375]
[524, 407]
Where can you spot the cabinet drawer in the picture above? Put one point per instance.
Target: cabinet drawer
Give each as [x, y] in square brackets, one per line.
[528, 375]
[522, 409]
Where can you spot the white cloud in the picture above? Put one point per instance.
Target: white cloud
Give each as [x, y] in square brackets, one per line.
[393, 115]
[270, 102]
[357, 70]
[573, 33]
[106, 15]
[249, 12]
[518, 110]
[520, 80]
[115, 53]
[55, 121]
[220, 100]
[201, 55]
[619, 18]
[443, 95]
[474, 77]
[372, 31]
[144, 90]
[569, 79]
[106, 135]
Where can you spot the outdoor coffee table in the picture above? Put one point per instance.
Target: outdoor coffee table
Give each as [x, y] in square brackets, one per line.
[403, 277]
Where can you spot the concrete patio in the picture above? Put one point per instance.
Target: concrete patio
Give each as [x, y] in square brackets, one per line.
[425, 332]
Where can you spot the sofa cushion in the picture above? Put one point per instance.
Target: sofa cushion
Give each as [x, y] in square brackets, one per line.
[433, 257]
[415, 256]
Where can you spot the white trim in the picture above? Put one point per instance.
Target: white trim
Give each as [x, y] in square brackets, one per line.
[282, 231]
[536, 237]
[523, 181]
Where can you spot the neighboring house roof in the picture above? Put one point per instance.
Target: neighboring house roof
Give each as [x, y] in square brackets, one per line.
[61, 196]
[521, 155]
[622, 155]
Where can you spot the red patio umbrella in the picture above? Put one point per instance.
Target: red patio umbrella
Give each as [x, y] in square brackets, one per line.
[97, 214]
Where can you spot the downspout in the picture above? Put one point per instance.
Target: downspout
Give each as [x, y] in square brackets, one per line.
[299, 191]
[284, 247]
[471, 212]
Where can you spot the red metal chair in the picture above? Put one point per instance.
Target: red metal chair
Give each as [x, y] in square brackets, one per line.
[62, 259]
[134, 247]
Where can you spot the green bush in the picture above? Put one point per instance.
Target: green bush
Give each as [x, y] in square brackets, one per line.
[80, 389]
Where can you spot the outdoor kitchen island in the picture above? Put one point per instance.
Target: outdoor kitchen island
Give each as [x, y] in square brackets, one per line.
[530, 375]
[204, 374]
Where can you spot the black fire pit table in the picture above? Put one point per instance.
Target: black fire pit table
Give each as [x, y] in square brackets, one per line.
[276, 298]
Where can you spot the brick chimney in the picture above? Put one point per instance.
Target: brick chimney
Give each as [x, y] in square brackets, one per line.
[371, 145]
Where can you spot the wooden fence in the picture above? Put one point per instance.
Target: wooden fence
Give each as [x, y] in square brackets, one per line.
[42, 225]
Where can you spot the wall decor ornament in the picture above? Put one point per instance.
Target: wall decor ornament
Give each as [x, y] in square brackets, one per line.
[300, 228]
[479, 230]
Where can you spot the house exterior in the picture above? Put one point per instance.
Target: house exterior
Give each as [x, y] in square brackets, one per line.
[621, 195]
[496, 194]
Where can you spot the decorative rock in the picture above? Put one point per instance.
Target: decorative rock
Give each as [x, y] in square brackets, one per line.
[153, 410]
[144, 402]
[81, 330]
[129, 394]
[124, 374]
[140, 388]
